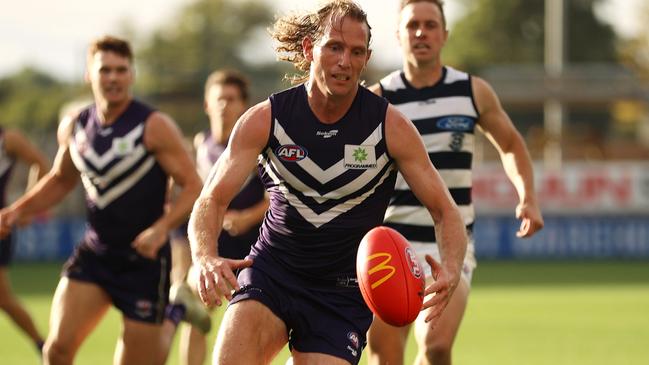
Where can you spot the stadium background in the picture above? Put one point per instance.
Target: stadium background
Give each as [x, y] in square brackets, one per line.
[576, 293]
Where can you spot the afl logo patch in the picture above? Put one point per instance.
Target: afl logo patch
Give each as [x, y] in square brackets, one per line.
[291, 153]
[455, 123]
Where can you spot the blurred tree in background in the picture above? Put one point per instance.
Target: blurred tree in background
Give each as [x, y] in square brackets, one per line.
[512, 31]
[635, 51]
[205, 35]
[30, 100]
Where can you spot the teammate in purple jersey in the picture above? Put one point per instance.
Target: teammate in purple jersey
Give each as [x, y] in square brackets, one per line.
[446, 106]
[124, 152]
[15, 147]
[329, 153]
[226, 98]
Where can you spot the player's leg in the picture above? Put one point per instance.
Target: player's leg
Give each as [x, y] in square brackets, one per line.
[138, 343]
[14, 309]
[193, 341]
[77, 307]
[250, 333]
[435, 344]
[193, 346]
[386, 344]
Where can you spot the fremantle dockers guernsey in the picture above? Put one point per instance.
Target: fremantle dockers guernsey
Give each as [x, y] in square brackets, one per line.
[445, 115]
[124, 184]
[6, 166]
[251, 193]
[328, 183]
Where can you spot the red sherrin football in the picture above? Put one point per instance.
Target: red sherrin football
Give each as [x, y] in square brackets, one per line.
[390, 277]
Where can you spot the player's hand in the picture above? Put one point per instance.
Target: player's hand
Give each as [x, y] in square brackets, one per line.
[149, 241]
[236, 222]
[8, 219]
[441, 290]
[531, 219]
[216, 278]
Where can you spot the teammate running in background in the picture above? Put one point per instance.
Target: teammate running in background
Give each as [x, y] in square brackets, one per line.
[329, 154]
[124, 152]
[446, 106]
[226, 98]
[15, 147]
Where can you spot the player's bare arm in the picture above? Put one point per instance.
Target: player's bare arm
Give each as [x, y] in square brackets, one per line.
[51, 189]
[237, 222]
[516, 160]
[249, 137]
[22, 149]
[406, 147]
[164, 140]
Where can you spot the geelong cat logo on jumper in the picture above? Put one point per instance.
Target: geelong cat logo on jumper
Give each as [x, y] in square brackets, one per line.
[360, 157]
[291, 152]
[455, 123]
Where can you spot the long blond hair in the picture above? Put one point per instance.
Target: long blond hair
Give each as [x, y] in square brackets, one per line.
[291, 29]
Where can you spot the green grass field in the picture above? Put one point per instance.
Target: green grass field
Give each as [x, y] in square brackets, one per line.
[531, 313]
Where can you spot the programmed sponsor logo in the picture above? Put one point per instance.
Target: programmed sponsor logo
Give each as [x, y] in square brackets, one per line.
[291, 153]
[358, 157]
[455, 123]
[413, 263]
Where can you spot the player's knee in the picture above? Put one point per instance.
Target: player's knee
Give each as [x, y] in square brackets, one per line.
[57, 353]
[438, 352]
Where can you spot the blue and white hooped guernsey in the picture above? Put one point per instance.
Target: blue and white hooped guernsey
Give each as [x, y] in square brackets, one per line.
[328, 183]
[6, 166]
[445, 115]
[124, 184]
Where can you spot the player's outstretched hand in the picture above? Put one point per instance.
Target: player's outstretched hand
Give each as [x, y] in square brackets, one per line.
[149, 241]
[439, 292]
[8, 219]
[531, 219]
[216, 278]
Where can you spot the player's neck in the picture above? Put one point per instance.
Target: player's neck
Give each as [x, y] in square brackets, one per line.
[423, 75]
[219, 134]
[328, 108]
[109, 112]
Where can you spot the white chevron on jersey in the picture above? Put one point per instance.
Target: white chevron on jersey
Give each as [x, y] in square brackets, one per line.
[102, 200]
[324, 176]
[440, 142]
[451, 105]
[103, 181]
[341, 192]
[99, 162]
[415, 215]
[307, 213]
[453, 178]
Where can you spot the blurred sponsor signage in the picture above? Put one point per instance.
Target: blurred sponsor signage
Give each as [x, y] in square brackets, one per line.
[579, 188]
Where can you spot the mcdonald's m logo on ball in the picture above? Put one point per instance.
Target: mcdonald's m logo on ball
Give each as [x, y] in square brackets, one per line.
[381, 267]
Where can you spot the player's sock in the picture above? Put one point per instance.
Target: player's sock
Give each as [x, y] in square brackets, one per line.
[175, 313]
[195, 312]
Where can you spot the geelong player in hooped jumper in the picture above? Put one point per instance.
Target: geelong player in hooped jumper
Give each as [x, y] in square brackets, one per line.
[446, 106]
[124, 152]
[328, 151]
